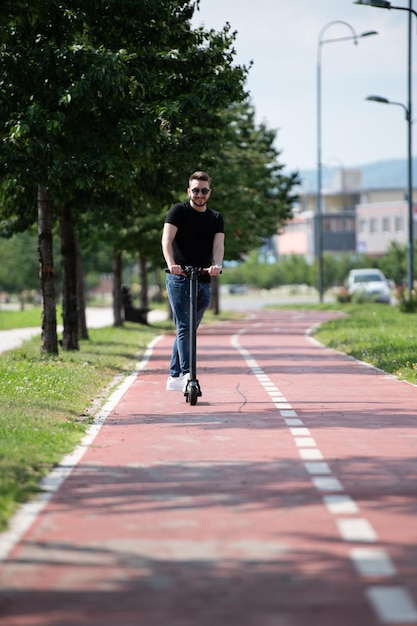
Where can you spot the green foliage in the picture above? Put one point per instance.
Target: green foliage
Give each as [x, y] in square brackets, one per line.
[394, 263]
[17, 11]
[104, 109]
[297, 271]
[250, 189]
[336, 267]
[19, 269]
[291, 270]
[407, 301]
[100, 103]
[342, 295]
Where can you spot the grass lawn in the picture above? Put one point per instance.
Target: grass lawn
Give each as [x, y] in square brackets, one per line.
[46, 403]
[377, 334]
[31, 316]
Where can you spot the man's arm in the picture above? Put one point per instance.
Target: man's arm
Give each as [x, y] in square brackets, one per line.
[168, 236]
[218, 254]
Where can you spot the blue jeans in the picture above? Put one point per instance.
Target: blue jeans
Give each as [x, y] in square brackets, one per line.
[178, 290]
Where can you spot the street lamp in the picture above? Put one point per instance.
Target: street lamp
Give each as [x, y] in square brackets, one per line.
[386, 101]
[410, 261]
[383, 4]
[319, 230]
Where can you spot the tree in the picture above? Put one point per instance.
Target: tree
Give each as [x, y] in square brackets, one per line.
[251, 190]
[49, 341]
[94, 94]
[394, 263]
[18, 10]
[70, 269]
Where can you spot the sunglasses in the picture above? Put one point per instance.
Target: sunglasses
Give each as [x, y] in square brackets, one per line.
[196, 191]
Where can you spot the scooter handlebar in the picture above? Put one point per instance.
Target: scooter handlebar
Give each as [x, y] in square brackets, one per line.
[188, 269]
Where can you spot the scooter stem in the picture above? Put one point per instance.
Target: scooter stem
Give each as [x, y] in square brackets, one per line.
[193, 321]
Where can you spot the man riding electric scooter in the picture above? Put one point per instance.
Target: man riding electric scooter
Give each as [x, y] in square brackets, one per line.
[193, 237]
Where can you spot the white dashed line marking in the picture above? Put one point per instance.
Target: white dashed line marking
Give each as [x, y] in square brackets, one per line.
[305, 442]
[317, 468]
[393, 605]
[289, 414]
[340, 504]
[299, 431]
[372, 562]
[296, 422]
[312, 454]
[327, 483]
[356, 530]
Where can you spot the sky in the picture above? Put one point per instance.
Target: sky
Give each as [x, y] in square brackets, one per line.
[281, 38]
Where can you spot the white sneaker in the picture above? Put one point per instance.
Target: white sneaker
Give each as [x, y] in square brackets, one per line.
[185, 380]
[175, 383]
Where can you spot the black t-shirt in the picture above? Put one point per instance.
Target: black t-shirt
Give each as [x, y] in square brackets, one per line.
[193, 242]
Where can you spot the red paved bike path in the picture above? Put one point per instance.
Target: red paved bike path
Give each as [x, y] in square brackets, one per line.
[286, 497]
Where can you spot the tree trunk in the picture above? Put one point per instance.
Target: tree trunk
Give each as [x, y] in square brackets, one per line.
[49, 338]
[117, 289]
[143, 276]
[82, 320]
[69, 280]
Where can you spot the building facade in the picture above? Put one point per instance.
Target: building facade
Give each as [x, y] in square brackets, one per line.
[353, 219]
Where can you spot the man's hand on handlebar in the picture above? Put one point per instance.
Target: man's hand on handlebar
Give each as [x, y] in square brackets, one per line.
[176, 269]
[215, 270]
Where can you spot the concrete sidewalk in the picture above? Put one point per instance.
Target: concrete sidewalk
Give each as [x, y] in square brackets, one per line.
[286, 497]
[96, 318]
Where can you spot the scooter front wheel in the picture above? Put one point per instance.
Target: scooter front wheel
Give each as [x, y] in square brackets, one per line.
[192, 395]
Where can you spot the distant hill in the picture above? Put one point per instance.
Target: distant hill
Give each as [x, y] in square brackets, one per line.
[390, 174]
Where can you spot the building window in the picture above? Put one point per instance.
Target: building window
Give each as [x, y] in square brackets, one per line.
[362, 226]
[399, 224]
[338, 226]
[373, 225]
[350, 224]
[326, 225]
[386, 227]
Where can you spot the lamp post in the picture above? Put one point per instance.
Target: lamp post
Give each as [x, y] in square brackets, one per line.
[410, 259]
[319, 209]
[383, 4]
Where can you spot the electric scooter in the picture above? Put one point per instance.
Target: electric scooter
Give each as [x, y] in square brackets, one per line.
[192, 390]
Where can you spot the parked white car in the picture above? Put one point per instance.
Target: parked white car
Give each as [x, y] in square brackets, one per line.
[369, 284]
